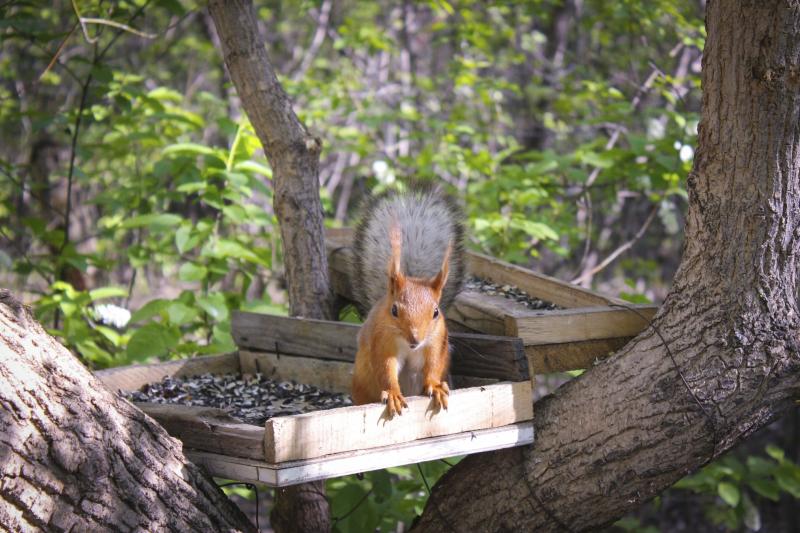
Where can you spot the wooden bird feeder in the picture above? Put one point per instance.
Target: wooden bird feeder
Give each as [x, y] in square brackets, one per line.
[497, 343]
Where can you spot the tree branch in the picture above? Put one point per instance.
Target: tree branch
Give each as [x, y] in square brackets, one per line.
[722, 357]
[291, 150]
[620, 250]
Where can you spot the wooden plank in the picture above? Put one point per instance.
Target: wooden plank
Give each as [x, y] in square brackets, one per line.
[481, 312]
[340, 260]
[547, 288]
[484, 356]
[333, 376]
[343, 236]
[488, 356]
[366, 426]
[295, 336]
[579, 324]
[464, 382]
[546, 358]
[341, 464]
[208, 429]
[134, 376]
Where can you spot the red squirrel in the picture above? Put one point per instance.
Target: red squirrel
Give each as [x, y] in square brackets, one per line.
[409, 265]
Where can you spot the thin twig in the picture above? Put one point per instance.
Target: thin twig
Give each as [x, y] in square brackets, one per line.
[118, 25]
[620, 250]
[73, 154]
[58, 51]
[612, 141]
[84, 29]
[338, 519]
[635, 102]
[316, 42]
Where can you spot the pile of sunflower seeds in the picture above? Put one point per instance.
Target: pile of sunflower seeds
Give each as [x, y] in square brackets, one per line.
[252, 400]
[512, 292]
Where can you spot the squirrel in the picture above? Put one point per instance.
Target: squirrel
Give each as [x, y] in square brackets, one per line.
[408, 266]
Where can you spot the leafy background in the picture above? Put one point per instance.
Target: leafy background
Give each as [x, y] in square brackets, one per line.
[136, 207]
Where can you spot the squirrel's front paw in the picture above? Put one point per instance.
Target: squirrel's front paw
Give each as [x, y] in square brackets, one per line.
[394, 401]
[439, 392]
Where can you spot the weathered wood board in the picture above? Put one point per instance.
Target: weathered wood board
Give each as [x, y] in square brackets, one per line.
[547, 358]
[341, 464]
[580, 324]
[208, 429]
[366, 426]
[474, 355]
[134, 376]
[329, 375]
[547, 288]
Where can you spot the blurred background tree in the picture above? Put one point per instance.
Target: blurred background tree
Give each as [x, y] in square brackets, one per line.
[136, 207]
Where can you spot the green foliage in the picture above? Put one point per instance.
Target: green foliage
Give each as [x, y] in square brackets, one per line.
[733, 488]
[384, 498]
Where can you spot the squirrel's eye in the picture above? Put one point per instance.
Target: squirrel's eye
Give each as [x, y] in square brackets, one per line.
[394, 310]
[436, 313]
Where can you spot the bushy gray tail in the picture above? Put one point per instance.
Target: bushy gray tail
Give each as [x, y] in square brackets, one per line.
[428, 220]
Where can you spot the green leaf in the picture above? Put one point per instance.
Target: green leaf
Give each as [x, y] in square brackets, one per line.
[760, 467]
[92, 352]
[537, 230]
[180, 314]
[112, 336]
[235, 250]
[775, 452]
[149, 310]
[153, 221]
[788, 479]
[252, 166]
[729, 493]
[107, 292]
[152, 340]
[214, 305]
[192, 272]
[68, 308]
[766, 488]
[602, 160]
[189, 149]
[182, 238]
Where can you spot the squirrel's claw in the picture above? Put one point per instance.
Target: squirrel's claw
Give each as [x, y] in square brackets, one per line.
[438, 392]
[394, 402]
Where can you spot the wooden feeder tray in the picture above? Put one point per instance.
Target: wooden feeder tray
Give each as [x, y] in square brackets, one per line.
[588, 326]
[491, 405]
[497, 344]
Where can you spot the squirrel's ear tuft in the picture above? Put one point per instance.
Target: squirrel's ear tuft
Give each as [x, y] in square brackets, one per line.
[396, 278]
[437, 282]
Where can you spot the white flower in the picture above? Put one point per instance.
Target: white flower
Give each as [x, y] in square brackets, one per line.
[687, 153]
[382, 172]
[112, 315]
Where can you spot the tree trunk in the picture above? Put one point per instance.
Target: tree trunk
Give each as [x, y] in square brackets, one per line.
[75, 457]
[291, 150]
[721, 359]
[293, 154]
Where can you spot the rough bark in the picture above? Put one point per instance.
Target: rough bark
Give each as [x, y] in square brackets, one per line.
[630, 427]
[293, 154]
[75, 457]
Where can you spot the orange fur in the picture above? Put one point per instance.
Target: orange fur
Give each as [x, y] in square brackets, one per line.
[385, 342]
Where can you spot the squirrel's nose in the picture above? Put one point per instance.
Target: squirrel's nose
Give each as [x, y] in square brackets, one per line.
[413, 342]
